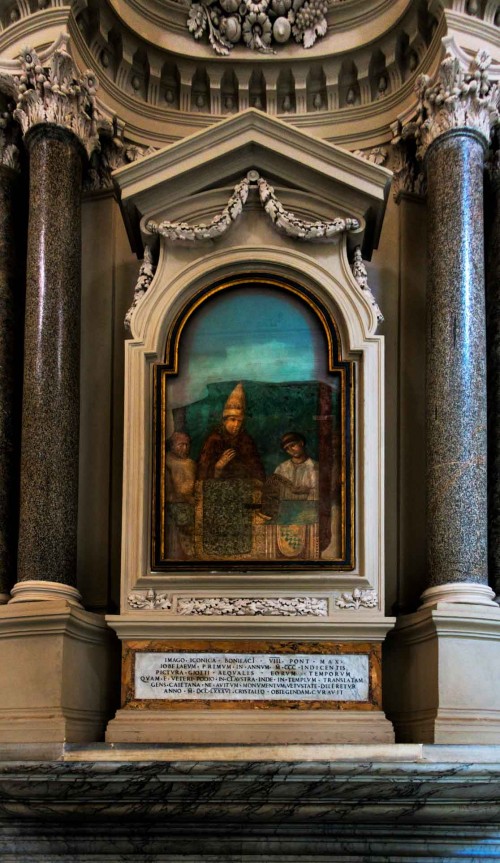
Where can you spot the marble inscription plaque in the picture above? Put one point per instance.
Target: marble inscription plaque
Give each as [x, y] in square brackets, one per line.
[251, 676]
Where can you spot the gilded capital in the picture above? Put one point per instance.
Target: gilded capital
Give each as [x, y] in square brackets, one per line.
[50, 90]
[457, 98]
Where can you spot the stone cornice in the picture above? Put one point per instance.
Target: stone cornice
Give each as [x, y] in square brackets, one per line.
[151, 120]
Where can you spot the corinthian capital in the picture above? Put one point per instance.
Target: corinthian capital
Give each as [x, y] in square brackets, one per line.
[459, 97]
[49, 89]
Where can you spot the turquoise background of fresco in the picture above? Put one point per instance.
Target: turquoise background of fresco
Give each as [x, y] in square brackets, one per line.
[272, 342]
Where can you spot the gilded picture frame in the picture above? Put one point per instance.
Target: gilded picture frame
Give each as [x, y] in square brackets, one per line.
[254, 424]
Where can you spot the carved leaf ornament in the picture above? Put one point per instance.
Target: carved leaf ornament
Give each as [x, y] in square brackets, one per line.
[258, 24]
[358, 599]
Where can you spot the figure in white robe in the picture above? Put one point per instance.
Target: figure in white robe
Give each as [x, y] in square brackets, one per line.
[298, 478]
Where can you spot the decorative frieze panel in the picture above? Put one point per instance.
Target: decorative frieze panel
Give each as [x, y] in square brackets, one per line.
[230, 606]
[254, 606]
[150, 599]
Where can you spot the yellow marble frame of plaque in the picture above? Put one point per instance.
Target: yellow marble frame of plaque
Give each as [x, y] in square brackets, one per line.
[331, 648]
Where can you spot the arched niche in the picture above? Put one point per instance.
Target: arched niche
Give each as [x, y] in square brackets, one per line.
[254, 433]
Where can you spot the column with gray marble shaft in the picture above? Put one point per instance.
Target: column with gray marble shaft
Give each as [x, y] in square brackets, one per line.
[57, 149]
[453, 136]
[11, 293]
[50, 425]
[493, 343]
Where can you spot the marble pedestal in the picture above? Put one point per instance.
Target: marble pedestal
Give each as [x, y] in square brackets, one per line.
[265, 727]
[57, 673]
[441, 674]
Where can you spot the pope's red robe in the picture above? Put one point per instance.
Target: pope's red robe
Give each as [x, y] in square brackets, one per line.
[245, 465]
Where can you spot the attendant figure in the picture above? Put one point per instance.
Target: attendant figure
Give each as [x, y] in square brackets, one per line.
[299, 475]
[297, 484]
[180, 482]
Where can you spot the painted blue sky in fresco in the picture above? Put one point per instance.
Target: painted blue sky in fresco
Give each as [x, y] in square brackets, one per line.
[260, 334]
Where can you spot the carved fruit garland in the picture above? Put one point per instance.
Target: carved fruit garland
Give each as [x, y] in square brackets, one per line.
[258, 24]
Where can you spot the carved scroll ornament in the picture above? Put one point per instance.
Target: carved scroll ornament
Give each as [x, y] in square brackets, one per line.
[9, 153]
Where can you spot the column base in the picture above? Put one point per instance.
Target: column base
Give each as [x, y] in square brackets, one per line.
[58, 673]
[466, 592]
[36, 590]
[441, 675]
[244, 726]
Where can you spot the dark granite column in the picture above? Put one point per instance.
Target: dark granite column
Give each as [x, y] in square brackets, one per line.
[49, 452]
[11, 299]
[456, 339]
[493, 351]
[58, 147]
